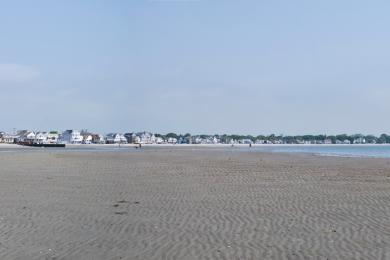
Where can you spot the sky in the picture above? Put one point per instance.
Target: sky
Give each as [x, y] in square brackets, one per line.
[198, 66]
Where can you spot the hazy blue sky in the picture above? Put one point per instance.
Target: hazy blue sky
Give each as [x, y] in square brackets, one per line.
[200, 66]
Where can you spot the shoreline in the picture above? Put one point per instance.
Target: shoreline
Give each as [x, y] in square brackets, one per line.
[268, 148]
[4, 145]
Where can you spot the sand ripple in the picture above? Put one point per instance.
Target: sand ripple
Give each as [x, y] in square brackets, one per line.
[183, 204]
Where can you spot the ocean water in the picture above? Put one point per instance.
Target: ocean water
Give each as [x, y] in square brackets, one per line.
[374, 151]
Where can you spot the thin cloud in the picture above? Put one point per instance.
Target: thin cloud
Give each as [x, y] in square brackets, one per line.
[17, 73]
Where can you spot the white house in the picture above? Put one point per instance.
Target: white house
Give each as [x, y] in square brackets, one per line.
[130, 137]
[196, 140]
[98, 139]
[142, 138]
[137, 139]
[359, 140]
[52, 137]
[172, 140]
[115, 138]
[147, 138]
[41, 137]
[159, 140]
[7, 138]
[87, 138]
[246, 141]
[328, 141]
[71, 137]
[26, 136]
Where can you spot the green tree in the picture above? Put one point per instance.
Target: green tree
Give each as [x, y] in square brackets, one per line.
[172, 135]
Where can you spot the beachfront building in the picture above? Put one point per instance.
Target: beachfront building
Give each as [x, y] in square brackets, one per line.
[25, 136]
[232, 141]
[196, 140]
[87, 138]
[359, 140]
[7, 138]
[41, 137]
[2, 134]
[201, 140]
[137, 140]
[98, 139]
[146, 138]
[142, 138]
[159, 140]
[172, 140]
[52, 137]
[130, 137]
[328, 141]
[71, 137]
[91, 138]
[115, 138]
[246, 141]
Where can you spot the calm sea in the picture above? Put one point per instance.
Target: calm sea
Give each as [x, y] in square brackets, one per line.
[376, 151]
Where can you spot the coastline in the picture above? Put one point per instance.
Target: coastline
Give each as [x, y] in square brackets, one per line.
[4, 145]
[331, 150]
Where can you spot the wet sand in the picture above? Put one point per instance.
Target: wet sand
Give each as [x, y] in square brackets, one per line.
[190, 203]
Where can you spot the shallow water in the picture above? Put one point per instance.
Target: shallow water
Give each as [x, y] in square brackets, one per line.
[375, 151]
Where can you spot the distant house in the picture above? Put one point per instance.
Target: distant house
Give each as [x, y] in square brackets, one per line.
[97, 139]
[87, 138]
[7, 138]
[130, 137]
[41, 137]
[196, 140]
[52, 137]
[328, 141]
[172, 140]
[25, 136]
[137, 140]
[71, 137]
[246, 141]
[91, 138]
[141, 138]
[359, 140]
[159, 140]
[232, 141]
[115, 138]
[147, 138]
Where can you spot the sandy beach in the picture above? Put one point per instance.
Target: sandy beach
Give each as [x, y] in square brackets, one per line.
[188, 203]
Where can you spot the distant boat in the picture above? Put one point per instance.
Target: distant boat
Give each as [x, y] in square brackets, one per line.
[40, 144]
